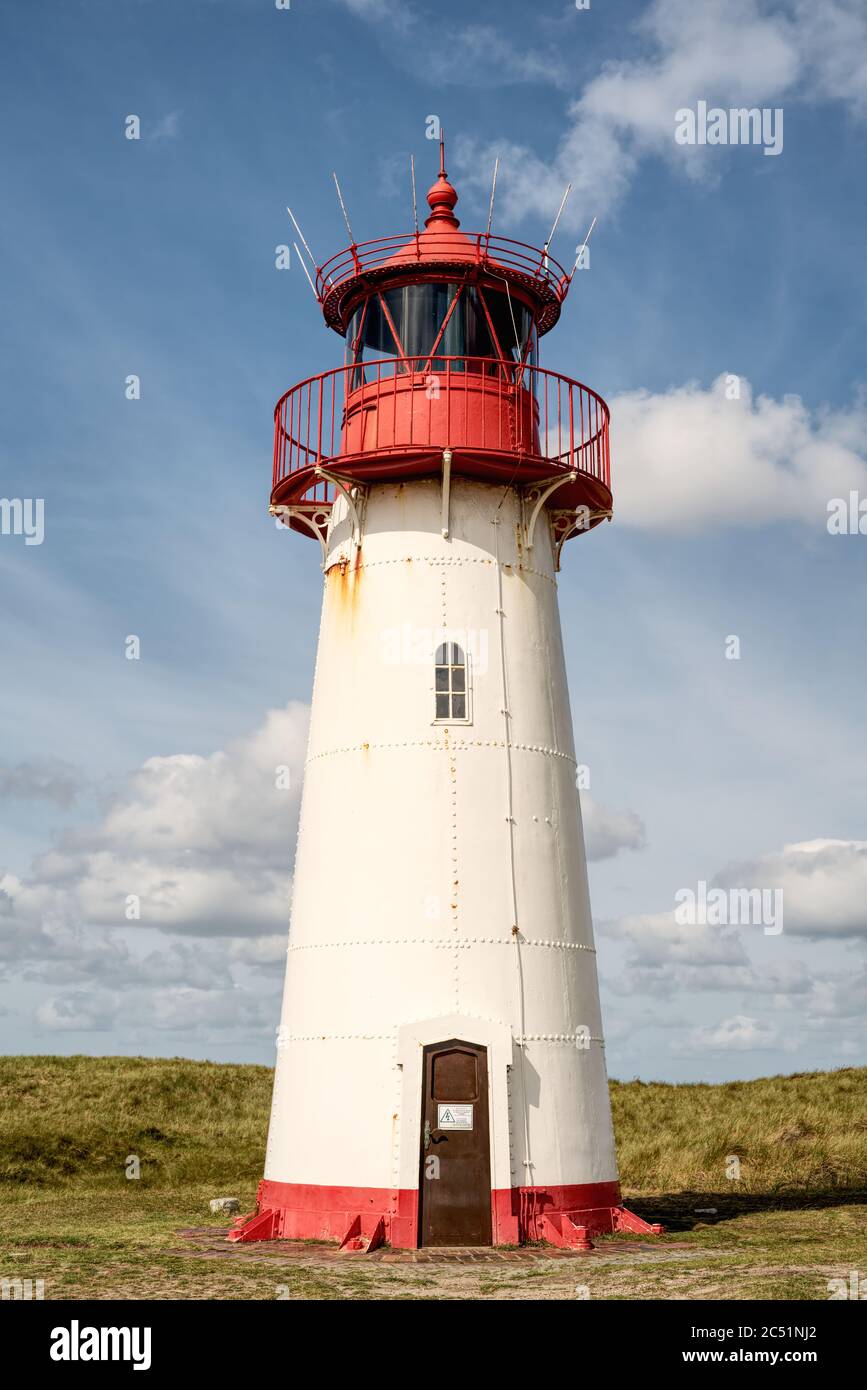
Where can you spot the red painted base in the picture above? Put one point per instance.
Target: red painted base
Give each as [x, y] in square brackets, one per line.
[360, 1218]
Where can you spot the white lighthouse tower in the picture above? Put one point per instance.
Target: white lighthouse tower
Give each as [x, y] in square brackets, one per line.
[440, 1074]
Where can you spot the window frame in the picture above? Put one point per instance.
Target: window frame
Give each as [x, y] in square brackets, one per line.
[464, 664]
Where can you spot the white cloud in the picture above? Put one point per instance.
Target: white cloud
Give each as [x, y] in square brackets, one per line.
[178, 1009]
[664, 956]
[190, 1010]
[607, 832]
[205, 844]
[691, 456]
[737, 1034]
[730, 53]
[41, 779]
[481, 55]
[261, 952]
[68, 955]
[824, 896]
[833, 40]
[477, 55]
[79, 1011]
[834, 998]
[824, 885]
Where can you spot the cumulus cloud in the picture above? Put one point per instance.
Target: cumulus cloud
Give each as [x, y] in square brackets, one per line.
[833, 42]
[266, 953]
[824, 892]
[41, 779]
[64, 955]
[202, 845]
[79, 1011]
[730, 53]
[691, 456]
[824, 885]
[737, 1034]
[180, 1008]
[663, 955]
[195, 844]
[607, 832]
[834, 997]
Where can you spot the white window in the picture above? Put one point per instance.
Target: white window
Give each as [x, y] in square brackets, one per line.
[451, 684]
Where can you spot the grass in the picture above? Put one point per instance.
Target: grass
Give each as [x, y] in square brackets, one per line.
[805, 1132]
[68, 1125]
[72, 1121]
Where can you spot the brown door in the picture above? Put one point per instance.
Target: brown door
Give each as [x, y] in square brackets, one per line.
[455, 1178]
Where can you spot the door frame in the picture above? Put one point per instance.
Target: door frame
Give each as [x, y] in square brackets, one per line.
[412, 1040]
[430, 1050]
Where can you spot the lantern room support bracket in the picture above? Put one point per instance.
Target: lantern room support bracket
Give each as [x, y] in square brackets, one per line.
[313, 517]
[572, 523]
[540, 496]
[353, 493]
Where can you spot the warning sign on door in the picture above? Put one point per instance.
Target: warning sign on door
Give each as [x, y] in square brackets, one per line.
[454, 1117]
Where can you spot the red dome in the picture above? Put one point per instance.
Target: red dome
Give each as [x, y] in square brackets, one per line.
[441, 239]
[439, 252]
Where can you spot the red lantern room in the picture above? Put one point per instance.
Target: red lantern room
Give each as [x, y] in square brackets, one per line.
[441, 375]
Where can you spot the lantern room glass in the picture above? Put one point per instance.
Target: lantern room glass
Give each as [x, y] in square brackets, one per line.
[452, 320]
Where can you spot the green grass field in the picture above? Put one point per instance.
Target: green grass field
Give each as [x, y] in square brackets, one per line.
[795, 1217]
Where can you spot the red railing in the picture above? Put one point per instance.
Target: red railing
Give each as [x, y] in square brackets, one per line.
[409, 248]
[383, 415]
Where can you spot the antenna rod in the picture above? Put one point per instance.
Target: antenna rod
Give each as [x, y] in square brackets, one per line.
[303, 242]
[582, 248]
[557, 218]
[343, 209]
[306, 271]
[493, 191]
[414, 207]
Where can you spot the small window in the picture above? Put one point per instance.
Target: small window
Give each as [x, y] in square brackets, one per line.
[450, 682]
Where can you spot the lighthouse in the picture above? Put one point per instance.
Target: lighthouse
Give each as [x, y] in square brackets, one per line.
[440, 1075]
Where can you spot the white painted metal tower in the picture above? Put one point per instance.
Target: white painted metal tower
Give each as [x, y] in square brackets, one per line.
[440, 1074]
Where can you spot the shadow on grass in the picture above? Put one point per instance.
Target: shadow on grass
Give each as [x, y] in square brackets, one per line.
[682, 1211]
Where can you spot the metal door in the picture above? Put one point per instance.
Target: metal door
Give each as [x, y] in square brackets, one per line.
[455, 1176]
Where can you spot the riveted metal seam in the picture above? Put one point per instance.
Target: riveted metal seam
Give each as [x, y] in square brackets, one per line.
[441, 943]
[461, 746]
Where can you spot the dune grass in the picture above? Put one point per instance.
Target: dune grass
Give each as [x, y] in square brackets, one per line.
[806, 1132]
[68, 1126]
[75, 1121]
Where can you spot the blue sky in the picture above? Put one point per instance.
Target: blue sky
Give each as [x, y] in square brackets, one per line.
[156, 258]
